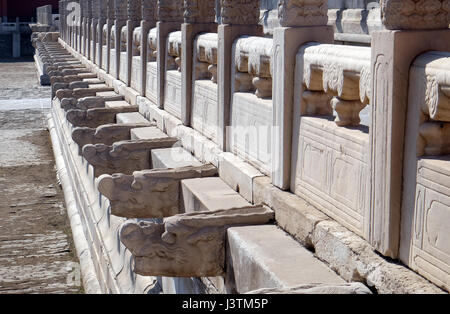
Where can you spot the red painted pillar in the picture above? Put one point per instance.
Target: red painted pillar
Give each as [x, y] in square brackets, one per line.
[4, 10]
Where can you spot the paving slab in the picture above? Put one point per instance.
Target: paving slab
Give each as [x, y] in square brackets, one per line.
[173, 157]
[130, 117]
[147, 133]
[267, 257]
[204, 194]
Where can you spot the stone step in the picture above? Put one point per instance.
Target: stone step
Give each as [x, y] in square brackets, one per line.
[130, 117]
[100, 85]
[116, 104]
[174, 157]
[265, 256]
[93, 81]
[147, 133]
[110, 96]
[213, 193]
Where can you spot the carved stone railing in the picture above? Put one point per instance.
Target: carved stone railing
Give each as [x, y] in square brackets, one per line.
[187, 245]
[149, 193]
[240, 12]
[123, 39]
[432, 83]
[173, 59]
[137, 40]
[335, 77]
[124, 156]
[253, 61]
[95, 117]
[170, 10]
[199, 11]
[302, 13]
[152, 45]
[415, 14]
[424, 241]
[206, 46]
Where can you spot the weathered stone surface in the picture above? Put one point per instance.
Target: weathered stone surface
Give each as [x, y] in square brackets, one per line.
[187, 245]
[241, 12]
[209, 194]
[415, 14]
[106, 134]
[147, 133]
[131, 117]
[238, 174]
[347, 288]
[302, 12]
[93, 118]
[124, 156]
[199, 11]
[252, 250]
[149, 193]
[172, 158]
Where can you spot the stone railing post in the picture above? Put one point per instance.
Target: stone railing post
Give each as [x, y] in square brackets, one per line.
[134, 20]
[62, 17]
[111, 17]
[121, 16]
[87, 31]
[93, 29]
[170, 17]
[149, 14]
[412, 28]
[199, 16]
[102, 6]
[83, 19]
[238, 18]
[301, 23]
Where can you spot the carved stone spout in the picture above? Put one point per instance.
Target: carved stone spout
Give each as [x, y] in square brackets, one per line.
[149, 193]
[106, 134]
[187, 245]
[93, 118]
[125, 156]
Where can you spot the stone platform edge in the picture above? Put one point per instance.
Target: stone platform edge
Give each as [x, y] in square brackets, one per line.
[346, 253]
[91, 284]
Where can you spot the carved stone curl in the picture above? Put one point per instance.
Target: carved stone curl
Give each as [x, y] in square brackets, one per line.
[302, 12]
[253, 58]
[106, 134]
[95, 117]
[415, 14]
[149, 193]
[78, 93]
[199, 11]
[240, 12]
[187, 245]
[124, 156]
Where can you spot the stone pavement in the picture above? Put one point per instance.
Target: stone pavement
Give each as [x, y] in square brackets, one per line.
[36, 253]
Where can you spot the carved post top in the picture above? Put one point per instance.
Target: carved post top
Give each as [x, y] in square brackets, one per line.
[170, 10]
[103, 9]
[241, 12]
[134, 10]
[149, 8]
[199, 11]
[121, 10]
[302, 12]
[95, 8]
[110, 11]
[415, 14]
[88, 9]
